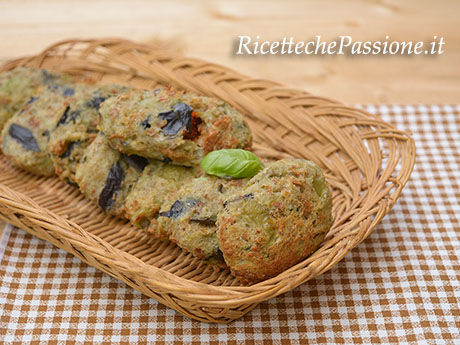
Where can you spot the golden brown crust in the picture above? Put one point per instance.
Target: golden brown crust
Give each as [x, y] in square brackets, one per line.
[188, 216]
[277, 220]
[167, 123]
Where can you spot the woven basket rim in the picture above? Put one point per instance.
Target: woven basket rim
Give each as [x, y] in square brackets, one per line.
[200, 292]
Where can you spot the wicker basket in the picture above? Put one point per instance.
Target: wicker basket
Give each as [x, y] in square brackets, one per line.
[366, 160]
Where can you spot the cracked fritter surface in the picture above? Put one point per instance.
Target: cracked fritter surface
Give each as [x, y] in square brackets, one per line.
[18, 85]
[278, 219]
[171, 124]
[77, 128]
[106, 176]
[157, 182]
[188, 217]
[25, 135]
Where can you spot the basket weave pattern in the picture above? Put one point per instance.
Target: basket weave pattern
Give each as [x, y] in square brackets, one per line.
[366, 161]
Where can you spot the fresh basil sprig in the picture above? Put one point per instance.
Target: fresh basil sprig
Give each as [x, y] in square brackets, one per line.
[231, 163]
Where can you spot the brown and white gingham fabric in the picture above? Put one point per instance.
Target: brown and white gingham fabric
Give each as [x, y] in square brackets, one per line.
[401, 285]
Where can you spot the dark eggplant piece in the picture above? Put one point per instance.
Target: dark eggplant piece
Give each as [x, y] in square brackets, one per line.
[137, 162]
[65, 116]
[96, 102]
[179, 207]
[31, 100]
[68, 91]
[146, 124]
[178, 118]
[112, 186]
[69, 150]
[24, 136]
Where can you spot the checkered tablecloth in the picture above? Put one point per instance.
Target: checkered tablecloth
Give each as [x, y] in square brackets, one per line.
[401, 285]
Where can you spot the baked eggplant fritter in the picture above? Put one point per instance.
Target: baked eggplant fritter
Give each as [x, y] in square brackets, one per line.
[157, 181]
[278, 219]
[143, 166]
[106, 176]
[19, 85]
[25, 135]
[77, 128]
[188, 216]
[169, 124]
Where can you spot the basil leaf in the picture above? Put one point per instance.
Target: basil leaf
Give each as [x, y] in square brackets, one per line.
[231, 163]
